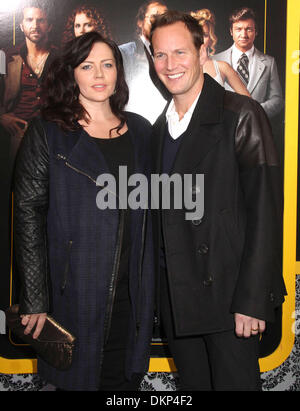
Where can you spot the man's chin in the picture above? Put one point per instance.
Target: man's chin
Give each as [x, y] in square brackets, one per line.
[36, 38]
[245, 44]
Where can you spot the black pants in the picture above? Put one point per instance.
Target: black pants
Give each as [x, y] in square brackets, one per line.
[219, 362]
[113, 377]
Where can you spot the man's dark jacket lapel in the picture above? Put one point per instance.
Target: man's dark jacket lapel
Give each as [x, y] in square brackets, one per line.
[199, 137]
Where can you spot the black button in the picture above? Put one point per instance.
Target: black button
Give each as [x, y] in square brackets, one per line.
[272, 297]
[197, 222]
[203, 249]
[208, 281]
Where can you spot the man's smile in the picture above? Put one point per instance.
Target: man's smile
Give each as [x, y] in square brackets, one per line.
[175, 76]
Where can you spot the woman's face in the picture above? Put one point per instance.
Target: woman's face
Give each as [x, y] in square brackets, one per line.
[96, 77]
[82, 24]
[206, 36]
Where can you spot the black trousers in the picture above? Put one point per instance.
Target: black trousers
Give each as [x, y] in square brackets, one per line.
[113, 375]
[219, 362]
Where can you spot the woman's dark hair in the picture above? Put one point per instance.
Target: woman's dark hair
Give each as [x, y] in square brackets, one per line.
[61, 92]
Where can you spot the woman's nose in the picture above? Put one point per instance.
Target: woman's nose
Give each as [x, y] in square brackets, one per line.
[98, 71]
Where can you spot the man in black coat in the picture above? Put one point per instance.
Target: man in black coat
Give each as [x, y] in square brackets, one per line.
[220, 274]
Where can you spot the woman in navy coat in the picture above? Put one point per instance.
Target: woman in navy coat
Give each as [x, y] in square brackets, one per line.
[90, 268]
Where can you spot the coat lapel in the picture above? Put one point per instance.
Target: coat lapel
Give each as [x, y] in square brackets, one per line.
[139, 154]
[159, 130]
[203, 131]
[258, 68]
[86, 157]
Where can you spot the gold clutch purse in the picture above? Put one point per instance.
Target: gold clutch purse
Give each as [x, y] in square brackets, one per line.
[55, 345]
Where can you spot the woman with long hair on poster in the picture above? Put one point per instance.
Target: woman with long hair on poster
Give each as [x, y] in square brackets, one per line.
[84, 19]
[86, 262]
[219, 70]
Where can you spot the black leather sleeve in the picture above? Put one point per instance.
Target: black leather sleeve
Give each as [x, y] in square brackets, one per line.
[30, 219]
[260, 286]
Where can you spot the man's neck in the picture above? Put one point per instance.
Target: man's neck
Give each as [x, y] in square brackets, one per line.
[242, 49]
[34, 49]
[184, 102]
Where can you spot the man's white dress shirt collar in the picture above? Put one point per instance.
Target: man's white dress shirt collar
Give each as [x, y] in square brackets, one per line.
[177, 127]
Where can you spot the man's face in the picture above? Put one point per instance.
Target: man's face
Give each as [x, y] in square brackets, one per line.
[152, 10]
[243, 33]
[35, 25]
[177, 61]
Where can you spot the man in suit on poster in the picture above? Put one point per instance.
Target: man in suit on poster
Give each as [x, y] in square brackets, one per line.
[219, 276]
[257, 70]
[147, 95]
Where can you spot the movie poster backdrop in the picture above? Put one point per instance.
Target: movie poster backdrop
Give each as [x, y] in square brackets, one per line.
[117, 19]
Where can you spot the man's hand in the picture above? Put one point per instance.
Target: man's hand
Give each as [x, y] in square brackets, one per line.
[247, 326]
[30, 320]
[14, 125]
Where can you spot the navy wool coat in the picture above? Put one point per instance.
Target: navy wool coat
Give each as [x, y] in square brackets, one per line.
[68, 250]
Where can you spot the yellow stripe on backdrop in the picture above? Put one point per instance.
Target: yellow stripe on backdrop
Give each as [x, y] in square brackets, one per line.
[290, 189]
[265, 27]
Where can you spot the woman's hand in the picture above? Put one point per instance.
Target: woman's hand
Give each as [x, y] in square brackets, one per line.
[31, 320]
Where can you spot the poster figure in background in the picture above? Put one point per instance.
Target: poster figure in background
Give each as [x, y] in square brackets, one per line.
[26, 68]
[83, 19]
[219, 276]
[147, 95]
[221, 71]
[257, 70]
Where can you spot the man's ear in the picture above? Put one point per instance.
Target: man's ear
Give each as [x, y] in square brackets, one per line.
[21, 27]
[202, 54]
